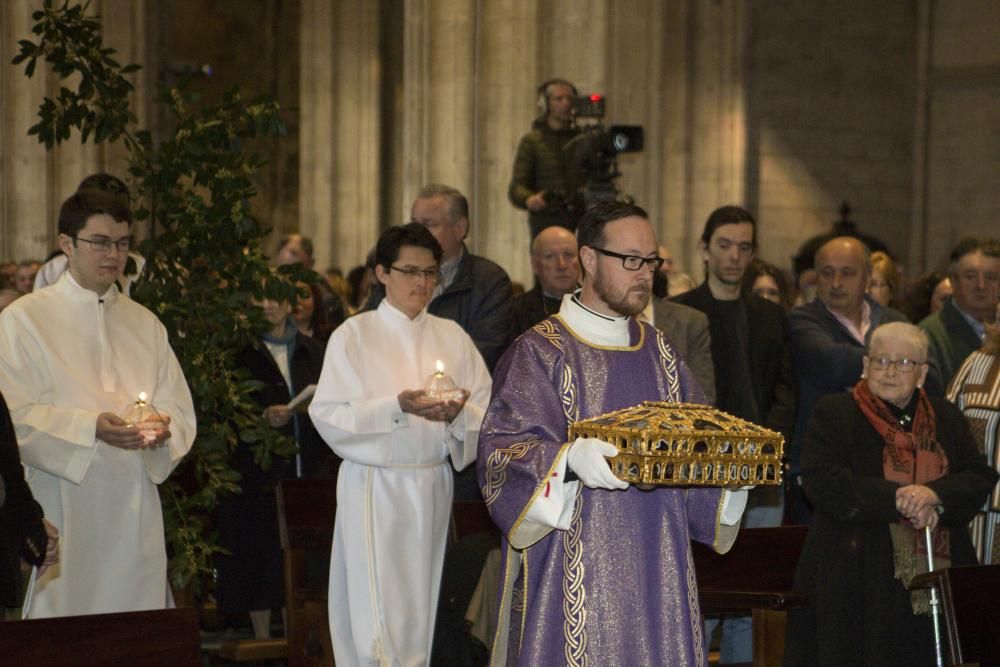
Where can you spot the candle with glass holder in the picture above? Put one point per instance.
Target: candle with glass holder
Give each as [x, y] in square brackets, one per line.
[143, 416]
[440, 386]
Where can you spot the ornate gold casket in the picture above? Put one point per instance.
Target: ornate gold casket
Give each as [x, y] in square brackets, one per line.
[684, 444]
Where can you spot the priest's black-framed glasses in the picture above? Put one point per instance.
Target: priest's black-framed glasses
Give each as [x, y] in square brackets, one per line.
[632, 262]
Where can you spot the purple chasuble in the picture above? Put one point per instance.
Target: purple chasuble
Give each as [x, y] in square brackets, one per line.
[618, 587]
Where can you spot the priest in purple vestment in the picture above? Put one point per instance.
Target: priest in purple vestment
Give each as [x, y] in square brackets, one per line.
[595, 572]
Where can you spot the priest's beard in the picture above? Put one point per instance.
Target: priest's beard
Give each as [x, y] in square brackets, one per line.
[627, 301]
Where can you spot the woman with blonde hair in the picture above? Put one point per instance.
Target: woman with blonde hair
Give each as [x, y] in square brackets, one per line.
[884, 284]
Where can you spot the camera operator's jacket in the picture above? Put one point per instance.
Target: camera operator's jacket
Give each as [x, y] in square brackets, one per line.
[542, 164]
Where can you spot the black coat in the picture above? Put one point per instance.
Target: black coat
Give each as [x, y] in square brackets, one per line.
[22, 533]
[530, 308]
[859, 613]
[305, 365]
[770, 360]
[251, 578]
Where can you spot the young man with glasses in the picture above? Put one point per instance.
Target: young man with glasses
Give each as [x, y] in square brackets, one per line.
[73, 357]
[595, 571]
[472, 290]
[56, 264]
[394, 489]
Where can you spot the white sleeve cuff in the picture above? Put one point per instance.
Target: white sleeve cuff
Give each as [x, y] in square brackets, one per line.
[552, 508]
[733, 504]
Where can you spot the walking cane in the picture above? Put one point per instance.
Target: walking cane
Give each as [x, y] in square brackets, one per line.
[935, 602]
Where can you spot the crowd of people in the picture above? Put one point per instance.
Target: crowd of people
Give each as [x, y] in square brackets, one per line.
[873, 384]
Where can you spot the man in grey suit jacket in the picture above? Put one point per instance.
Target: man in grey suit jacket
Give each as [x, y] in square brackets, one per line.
[687, 329]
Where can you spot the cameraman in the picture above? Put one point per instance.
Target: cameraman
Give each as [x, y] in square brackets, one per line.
[545, 179]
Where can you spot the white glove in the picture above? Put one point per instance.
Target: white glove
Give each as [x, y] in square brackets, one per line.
[587, 458]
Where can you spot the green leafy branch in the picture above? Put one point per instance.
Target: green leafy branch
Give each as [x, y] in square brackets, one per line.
[70, 41]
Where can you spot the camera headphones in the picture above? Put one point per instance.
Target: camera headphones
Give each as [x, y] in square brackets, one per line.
[543, 93]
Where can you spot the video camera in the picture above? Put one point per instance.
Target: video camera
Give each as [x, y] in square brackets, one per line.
[595, 149]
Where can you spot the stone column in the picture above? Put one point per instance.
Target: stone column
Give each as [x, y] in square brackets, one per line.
[26, 207]
[716, 116]
[507, 79]
[439, 100]
[339, 100]
[33, 181]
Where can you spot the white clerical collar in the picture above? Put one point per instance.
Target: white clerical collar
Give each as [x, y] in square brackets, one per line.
[593, 327]
[390, 312]
[80, 293]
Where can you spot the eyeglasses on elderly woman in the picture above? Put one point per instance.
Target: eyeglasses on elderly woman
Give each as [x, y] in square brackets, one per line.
[902, 365]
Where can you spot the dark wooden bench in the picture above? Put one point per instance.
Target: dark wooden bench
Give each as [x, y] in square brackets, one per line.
[754, 577]
[970, 613]
[306, 512]
[162, 638]
[469, 517]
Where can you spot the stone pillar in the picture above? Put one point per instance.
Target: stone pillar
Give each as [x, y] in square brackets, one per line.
[507, 79]
[339, 101]
[26, 206]
[716, 117]
[33, 181]
[439, 100]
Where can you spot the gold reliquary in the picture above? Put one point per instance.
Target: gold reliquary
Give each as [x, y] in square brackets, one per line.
[684, 444]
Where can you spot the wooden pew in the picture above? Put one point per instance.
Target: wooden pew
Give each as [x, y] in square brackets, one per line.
[754, 577]
[469, 517]
[306, 512]
[162, 638]
[970, 617]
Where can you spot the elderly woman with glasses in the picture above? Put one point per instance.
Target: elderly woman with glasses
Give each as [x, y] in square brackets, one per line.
[880, 464]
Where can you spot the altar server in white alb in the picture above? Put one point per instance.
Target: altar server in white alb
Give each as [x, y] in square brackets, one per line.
[73, 357]
[394, 491]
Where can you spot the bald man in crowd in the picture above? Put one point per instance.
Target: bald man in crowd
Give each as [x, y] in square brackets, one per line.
[828, 337]
[556, 267]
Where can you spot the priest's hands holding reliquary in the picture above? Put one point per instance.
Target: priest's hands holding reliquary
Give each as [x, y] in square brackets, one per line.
[153, 432]
[417, 402]
[588, 458]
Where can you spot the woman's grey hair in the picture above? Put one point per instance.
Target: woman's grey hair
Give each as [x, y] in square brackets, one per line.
[904, 331]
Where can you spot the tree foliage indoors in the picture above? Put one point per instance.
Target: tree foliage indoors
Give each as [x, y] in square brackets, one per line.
[204, 261]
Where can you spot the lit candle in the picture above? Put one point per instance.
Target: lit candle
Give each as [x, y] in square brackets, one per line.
[143, 416]
[441, 387]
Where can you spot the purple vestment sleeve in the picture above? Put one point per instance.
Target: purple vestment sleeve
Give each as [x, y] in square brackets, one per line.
[523, 434]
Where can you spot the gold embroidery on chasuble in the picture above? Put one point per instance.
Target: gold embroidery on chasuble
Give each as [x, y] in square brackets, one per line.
[668, 362]
[694, 612]
[574, 592]
[496, 467]
[547, 330]
[568, 396]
